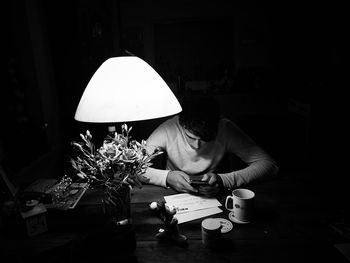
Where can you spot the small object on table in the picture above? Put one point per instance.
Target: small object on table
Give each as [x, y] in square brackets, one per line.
[66, 196]
[32, 203]
[35, 218]
[171, 228]
[211, 232]
[226, 225]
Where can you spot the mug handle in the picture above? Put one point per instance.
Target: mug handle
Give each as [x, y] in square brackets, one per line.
[226, 201]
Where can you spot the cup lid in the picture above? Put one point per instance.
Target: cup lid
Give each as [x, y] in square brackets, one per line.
[211, 224]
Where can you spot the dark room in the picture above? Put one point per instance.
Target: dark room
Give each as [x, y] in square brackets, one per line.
[168, 131]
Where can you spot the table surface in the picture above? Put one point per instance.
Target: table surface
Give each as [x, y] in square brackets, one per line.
[291, 224]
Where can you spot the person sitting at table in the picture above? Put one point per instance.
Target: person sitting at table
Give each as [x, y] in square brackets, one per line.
[196, 141]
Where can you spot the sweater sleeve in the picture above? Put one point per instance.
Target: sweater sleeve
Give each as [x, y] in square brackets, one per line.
[158, 139]
[260, 165]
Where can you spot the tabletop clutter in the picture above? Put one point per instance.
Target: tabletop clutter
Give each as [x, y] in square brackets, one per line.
[180, 208]
[171, 228]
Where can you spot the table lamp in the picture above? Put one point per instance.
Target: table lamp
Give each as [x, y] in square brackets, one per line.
[126, 89]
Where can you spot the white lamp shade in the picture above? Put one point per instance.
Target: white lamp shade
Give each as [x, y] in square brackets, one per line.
[126, 89]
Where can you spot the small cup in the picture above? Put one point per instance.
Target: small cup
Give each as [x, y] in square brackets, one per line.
[242, 205]
[211, 232]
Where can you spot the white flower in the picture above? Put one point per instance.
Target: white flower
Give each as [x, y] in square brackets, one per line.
[118, 162]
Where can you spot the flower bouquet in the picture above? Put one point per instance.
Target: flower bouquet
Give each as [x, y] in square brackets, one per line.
[117, 166]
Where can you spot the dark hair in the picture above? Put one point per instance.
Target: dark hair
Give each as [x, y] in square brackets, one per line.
[200, 115]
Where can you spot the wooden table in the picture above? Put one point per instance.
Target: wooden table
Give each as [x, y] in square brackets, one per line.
[290, 225]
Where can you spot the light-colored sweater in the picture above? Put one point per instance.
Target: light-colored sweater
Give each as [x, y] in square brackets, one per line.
[170, 137]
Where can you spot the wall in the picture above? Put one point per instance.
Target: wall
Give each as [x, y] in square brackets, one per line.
[261, 64]
[241, 53]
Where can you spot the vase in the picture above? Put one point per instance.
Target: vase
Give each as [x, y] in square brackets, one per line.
[116, 237]
[116, 205]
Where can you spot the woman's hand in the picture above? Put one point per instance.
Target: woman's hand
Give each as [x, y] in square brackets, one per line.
[180, 181]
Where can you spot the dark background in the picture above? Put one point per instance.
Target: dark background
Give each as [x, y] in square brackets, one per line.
[265, 61]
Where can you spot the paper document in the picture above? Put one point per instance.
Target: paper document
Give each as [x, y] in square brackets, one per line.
[189, 207]
[187, 202]
[185, 217]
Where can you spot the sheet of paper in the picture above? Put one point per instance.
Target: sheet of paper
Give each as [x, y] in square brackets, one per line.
[185, 217]
[184, 203]
[190, 207]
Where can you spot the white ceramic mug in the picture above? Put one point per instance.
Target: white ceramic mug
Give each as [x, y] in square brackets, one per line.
[242, 205]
